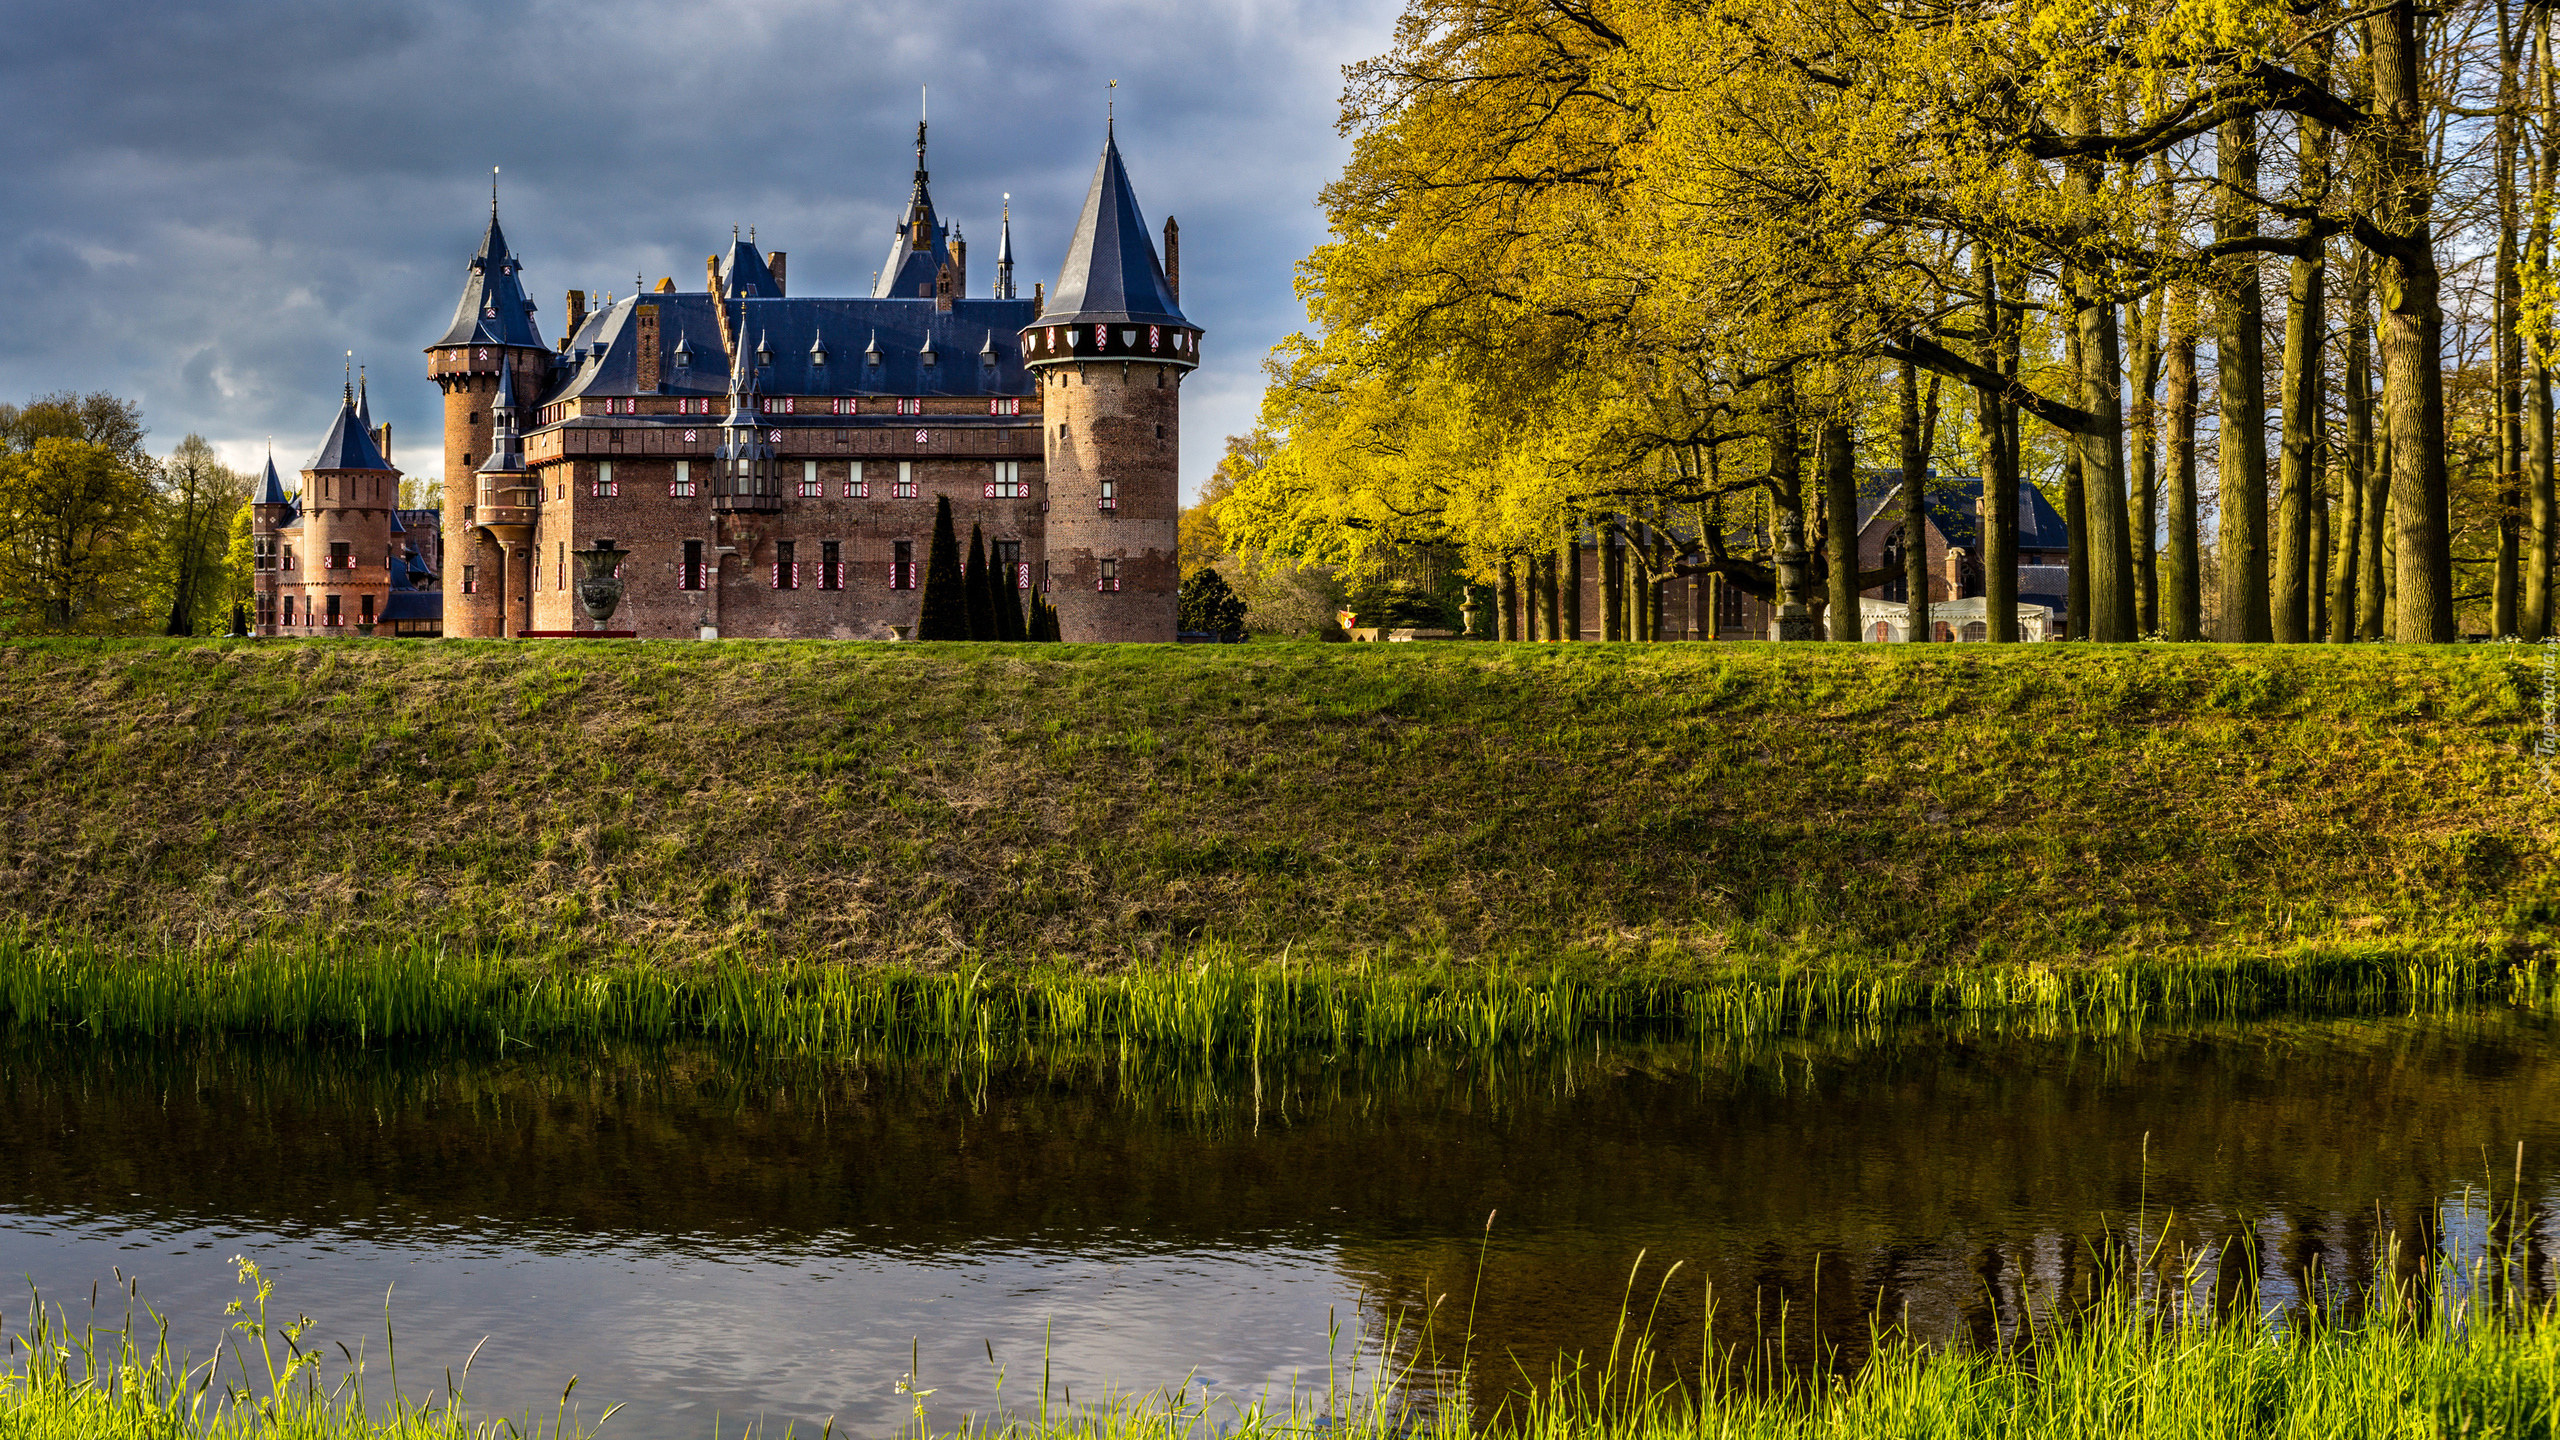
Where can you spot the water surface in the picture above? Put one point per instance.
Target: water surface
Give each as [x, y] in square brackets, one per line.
[694, 1234]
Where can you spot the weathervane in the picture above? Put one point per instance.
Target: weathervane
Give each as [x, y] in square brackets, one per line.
[493, 192]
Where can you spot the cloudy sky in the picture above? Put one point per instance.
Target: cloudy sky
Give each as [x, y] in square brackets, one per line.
[210, 204]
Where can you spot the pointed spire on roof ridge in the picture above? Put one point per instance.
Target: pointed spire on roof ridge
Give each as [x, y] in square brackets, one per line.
[364, 406]
[271, 485]
[1112, 274]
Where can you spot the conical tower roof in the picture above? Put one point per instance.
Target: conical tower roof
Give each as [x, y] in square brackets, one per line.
[494, 308]
[743, 271]
[506, 442]
[271, 486]
[349, 446]
[1112, 274]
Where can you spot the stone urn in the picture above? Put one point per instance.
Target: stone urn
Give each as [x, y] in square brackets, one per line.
[1467, 613]
[898, 633]
[599, 589]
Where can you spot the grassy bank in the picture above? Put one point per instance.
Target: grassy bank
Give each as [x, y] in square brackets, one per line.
[1673, 811]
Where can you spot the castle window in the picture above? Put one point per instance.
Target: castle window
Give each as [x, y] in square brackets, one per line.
[786, 569]
[902, 566]
[334, 617]
[1159, 432]
[830, 565]
[560, 569]
[1009, 405]
[778, 406]
[328, 487]
[266, 548]
[288, 557]
[1008, 558]
[692, 565]
[682, 486]
[1007, 484]
[470, 580]
[911, 407]
[1044, 577]
[368, 610]
[1062, 429]
[288, 610]
[266, 612]
[1110, 495]
[340, 557]
[855, 487]
[810, 489]
[606, 485]
[906, 480]
[849, 405]
[1109, 583]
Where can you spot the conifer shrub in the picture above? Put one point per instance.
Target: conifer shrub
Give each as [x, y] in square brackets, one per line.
[945, 615]
[1209, 606]
[982, 602]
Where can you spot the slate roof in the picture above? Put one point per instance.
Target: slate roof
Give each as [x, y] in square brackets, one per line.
[494, 308]
[1951, 502]
[412, 605]
[743, 271]
[1112, 273]
[910, 272]
[271, 486]
[903, 330]
[348, 446]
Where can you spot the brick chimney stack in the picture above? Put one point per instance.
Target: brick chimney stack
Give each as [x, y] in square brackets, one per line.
[577, 315]
[777, 262]
[1173, 258]
[1955, 572]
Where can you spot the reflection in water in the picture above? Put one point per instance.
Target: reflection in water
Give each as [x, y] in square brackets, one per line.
[693, 1234]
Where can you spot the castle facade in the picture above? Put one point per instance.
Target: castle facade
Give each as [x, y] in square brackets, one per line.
[770, 462]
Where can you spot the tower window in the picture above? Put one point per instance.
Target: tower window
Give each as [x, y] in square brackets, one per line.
[1007, 483]
[830, 565]
[335, 618]
[1110, 495]
[605, 483]
[786, 568]
[1062, 432]
[902, 566]
[470, 579]
[367, 613]
[288, 609]
[682, 486]
[560, 568]
[906, 481]
[849, 405]
[692, 565]
[1008, 405]
[1159, 432]
[340, 556]
[1109, 583]
[855, 487]
[266, 548]
[1008, 558]
[810, 489]
[911, 407]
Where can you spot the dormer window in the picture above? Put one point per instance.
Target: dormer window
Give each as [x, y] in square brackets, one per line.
[818, 350]
[684, 355]
[764, 352]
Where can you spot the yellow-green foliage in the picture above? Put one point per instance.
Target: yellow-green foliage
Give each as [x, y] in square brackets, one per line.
[1672, 809]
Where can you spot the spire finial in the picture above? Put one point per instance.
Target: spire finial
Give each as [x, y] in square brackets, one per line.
[493, 192]
[924, 94]
[1109, 104]
[351, 377]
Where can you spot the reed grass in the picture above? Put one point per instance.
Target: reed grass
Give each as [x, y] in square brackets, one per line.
[1211, 1002]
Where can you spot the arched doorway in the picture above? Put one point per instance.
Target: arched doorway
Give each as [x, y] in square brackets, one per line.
[1977, 630]
[1880, 633]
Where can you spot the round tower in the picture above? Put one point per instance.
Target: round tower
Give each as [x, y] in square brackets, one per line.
[493, 332]
[1111, 353]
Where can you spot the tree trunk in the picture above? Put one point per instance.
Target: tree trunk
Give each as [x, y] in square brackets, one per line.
[2507, 348]
[2181, 601]
[1998, 527]
[1569, 585]
[1915, 504]
[2240, 368]
[2075, 501]
[1549, 627]
[1840, 528]
[1506, 621]
[2142, 521]
[2413, 329]
[2377, 570]
[2534, 618]
[2109, 547]
[2319, 568]
[2306, 322]
[1659, 591]
[1613, 584]
[2355, 457]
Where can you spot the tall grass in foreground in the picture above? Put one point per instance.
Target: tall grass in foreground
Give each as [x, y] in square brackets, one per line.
[1211, 1002]
[2451, 1364]
[265, 1378]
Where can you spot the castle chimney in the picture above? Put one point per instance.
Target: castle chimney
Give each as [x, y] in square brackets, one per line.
[577, 312]
[777, 262]
[382, 440]
[942, 288]
[711, 274]
[1039, 298]
[1173, 258]
[959, 262]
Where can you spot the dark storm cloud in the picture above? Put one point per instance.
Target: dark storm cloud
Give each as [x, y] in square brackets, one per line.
[209, 205]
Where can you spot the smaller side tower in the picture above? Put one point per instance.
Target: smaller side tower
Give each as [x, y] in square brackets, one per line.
[273, 520]
[349, 496]
[1110, 354]
[492, 335]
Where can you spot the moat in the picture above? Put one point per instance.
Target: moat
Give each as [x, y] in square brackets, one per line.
[692, 1234]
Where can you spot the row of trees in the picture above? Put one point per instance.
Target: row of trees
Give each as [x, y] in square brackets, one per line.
[971, 600]
[2260, 292]
[98, 536]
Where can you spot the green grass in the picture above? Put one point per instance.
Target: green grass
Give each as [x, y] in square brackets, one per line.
[2442, 1366]
[1673, 810]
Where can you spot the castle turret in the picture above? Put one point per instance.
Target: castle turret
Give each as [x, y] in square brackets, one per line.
[492, 336]
[350, 498]
[746, 479]
[918, 257]
[1004, 254]
[1110, 353]
[272, 524]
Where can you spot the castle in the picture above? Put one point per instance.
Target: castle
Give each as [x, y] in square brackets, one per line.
[770, 463]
